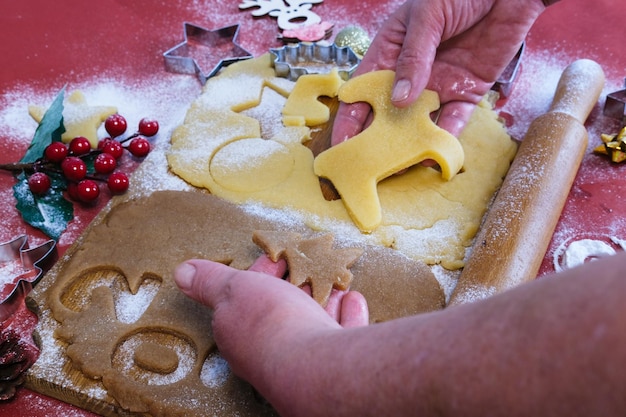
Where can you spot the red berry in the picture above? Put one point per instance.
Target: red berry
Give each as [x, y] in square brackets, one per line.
[72, 191]
[74, 168]
[80, 146]
[139, 147]
[104, 163]
[117, 183]
[87, 191]
[115, 125]
[113, 148]
[148, 127]
[39, 183]
[56, 152]
[103, 142]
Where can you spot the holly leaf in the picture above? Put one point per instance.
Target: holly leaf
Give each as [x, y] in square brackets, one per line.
[50, 212]
[49, 130]
[90, 160]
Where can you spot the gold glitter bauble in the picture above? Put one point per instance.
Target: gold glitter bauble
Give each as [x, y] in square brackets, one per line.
[354, 37]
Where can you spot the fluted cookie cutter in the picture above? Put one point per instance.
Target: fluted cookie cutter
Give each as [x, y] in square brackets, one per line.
[615, 105]
[21, 268]
[293, 60]
[204, 52]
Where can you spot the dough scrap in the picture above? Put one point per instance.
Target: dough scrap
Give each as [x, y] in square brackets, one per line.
[127, 249]
[79, 118]
[311, 261]
[303, 107]
[424, 216]
[396, 139]
[156, 358]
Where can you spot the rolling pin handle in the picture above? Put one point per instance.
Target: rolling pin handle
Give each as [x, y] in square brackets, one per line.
[578, 89]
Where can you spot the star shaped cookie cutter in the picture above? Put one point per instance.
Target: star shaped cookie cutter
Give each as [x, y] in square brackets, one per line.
[204, 52]
[24, 267]
[293, 60]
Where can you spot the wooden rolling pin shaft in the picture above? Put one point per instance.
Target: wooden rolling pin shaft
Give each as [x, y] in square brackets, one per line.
[517, 229]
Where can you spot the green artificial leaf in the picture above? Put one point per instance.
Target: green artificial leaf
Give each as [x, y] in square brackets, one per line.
[49, 130]
[89, 160]
[50, 212]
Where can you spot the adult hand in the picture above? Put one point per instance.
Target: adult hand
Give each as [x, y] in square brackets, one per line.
[348, 308]
[457, 48]
[457, 361]
[254, 312]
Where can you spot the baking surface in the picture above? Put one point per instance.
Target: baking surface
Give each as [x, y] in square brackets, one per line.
[107, 327]
[112, 51]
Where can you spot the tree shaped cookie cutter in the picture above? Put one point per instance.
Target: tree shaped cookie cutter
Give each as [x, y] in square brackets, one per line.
[204, 52]
[31, 264]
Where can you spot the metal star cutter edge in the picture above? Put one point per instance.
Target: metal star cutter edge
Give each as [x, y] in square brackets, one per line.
[177, 60]
[37, 261]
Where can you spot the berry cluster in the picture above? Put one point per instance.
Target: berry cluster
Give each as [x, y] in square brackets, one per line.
[82, 167]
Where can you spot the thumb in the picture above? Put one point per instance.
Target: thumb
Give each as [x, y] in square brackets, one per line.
[205, 281]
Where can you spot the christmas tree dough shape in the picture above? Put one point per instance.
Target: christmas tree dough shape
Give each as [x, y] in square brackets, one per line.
[397, 139]
[312, 261]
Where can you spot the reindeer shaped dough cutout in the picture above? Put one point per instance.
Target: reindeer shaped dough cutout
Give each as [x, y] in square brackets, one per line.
[397, 139]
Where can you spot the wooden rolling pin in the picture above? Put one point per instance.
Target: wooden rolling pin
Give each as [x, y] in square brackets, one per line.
[515, 234]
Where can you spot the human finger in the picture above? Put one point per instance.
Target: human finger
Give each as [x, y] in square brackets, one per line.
[381, 54]
[204, 281]
[333, 306]
[265, 265]
[455, 115]
[351, 118]
[348, 308]
[354, 310]
[423, 31]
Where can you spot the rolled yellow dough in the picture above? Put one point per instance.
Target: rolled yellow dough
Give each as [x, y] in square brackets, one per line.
[424, 216]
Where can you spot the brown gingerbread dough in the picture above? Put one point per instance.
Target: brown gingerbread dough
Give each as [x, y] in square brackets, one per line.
[156, 358]
[119, 310]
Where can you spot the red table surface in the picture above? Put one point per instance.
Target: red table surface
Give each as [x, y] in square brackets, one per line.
[46, 45]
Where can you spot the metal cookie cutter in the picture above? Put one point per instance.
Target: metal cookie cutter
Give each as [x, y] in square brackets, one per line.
[294, 60]
[504, 83]
[615, 105]
[204, 51]
[23, 267]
